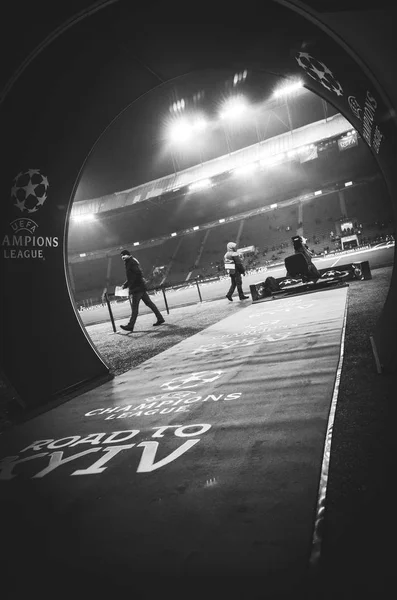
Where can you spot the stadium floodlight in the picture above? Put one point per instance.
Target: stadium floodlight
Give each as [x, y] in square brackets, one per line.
[288, 88]
[200, 185]
[83, 218]
[240, 77]
[199, 124]
[178, 106]
[233, 108]
[183, 129]
[348, 183]
[180, 131]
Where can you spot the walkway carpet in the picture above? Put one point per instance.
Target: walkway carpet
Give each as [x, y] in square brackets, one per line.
[204, 461]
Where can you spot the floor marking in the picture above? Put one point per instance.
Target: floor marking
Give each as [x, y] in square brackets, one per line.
[337, 260]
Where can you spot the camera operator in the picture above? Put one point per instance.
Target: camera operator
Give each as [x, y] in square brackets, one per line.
[301, 247]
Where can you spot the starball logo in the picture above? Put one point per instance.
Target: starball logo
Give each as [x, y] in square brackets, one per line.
[29, 192]
[318, 71]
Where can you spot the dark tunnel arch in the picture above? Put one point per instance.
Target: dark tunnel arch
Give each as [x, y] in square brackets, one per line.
[53, 133]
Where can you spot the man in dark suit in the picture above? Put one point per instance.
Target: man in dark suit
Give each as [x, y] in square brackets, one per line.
[137, 289]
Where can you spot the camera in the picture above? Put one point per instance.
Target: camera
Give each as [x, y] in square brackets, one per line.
[298, 242]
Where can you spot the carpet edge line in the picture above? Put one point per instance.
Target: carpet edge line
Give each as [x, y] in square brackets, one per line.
[317, 537]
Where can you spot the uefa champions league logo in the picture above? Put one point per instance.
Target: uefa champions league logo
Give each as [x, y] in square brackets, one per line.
[29, 190]
[192, 380]
[28, 194]
[319, 71]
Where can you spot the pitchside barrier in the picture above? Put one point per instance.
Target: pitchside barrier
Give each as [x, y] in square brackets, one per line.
[117, 292]
[329, 278]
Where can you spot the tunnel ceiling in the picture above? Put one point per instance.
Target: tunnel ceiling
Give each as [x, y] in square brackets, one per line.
[31, 23]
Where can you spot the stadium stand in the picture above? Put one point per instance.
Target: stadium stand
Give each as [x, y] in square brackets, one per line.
[319, 217]
[186, 257]
[89, 282]
[245, 202]
[369, 202]
[211, 262]
[153, 258]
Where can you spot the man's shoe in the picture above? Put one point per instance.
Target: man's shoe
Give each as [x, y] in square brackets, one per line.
[229, 298]
[158, 323]
[126, 328]
[244, 297]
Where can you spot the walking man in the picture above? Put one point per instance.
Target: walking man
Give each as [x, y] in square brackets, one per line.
[137, 289]
[235, 268]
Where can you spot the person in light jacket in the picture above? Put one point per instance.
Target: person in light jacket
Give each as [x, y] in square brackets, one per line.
[235, 269]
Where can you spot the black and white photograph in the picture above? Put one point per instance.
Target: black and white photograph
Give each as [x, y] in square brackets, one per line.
[198, 359]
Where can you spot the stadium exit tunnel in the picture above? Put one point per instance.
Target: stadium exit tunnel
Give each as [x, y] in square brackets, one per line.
[96, 66]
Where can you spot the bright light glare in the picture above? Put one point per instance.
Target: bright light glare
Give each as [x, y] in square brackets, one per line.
[268, 162]
[288, 88]
[183, 129]
[200, 185]
[85, 218]
[180, 131]
[245, 169]
[233, 108]
[199, 124]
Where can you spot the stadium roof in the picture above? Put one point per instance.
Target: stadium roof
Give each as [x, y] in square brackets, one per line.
[298, 139]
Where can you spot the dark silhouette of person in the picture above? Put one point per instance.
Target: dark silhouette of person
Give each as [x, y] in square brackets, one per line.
[235, 268]
[137, 289]
[300, 247]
